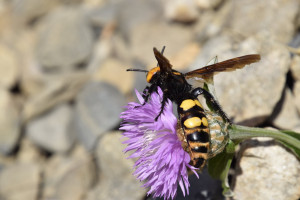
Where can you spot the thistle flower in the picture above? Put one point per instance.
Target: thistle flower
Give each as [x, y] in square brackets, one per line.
[161, 161]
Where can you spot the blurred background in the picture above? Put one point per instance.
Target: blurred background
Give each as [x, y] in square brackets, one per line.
[63, 85]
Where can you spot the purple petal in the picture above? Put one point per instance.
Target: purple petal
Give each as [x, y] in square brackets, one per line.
[161, 161]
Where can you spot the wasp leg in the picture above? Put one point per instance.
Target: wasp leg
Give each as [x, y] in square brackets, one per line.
[147, 92]
[163, 103]
[213, 102]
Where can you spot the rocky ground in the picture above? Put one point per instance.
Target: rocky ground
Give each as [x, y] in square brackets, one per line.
[63, 84]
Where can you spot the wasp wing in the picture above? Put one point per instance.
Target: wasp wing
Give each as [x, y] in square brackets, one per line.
[224, 66]
[163, 62]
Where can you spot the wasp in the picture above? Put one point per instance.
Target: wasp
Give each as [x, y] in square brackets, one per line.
[197, 127]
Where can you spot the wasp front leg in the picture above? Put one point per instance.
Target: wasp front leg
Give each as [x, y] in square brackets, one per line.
[213, 102]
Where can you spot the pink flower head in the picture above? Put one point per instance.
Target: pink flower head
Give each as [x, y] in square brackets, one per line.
[161, 161]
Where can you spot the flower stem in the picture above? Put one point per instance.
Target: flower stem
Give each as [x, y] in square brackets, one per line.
[238, 133]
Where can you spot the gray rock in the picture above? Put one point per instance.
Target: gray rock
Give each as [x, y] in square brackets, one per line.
[253, 16]
[132, 13]
[51, 131]
[112, 71]
[29, 152]
[10, 122]
[65, 40]
[287, 117]
[9, 66]
[28, 10]
[295, 67]
[97, 110]
[158, 34]
[52, 92]
[268, 169]
[250, 94]
[69, 177]
[100, 16]
[181, 11]
[297, 95]
[20, 181]
[116, 179]
[208, 4]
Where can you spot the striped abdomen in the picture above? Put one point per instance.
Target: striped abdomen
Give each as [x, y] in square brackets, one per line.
[196, 131]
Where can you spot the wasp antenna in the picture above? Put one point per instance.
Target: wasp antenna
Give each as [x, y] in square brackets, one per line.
[137, 70]
[163, 49]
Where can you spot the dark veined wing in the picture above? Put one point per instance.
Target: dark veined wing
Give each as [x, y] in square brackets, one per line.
[224, 66]
[163, 62]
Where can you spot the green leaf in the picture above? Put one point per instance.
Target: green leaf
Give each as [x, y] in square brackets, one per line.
[218, 167]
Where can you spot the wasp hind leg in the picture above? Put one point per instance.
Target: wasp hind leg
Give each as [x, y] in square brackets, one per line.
[213, 102]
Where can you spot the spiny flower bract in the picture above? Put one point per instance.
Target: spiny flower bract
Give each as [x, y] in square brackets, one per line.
[161, 161]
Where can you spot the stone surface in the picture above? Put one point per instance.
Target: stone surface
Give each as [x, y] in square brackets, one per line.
[29, 152]
[53, 91]
[296, 92]
[158, 34]
[181, 11]
[116, 179]
[185, 57]
[65, 40]
[28, 10]
[132, 13]
[97, 110]
[69, 177]
[268, 169]
[9, 66]
[253, 16]
[10, 122]
[208, 4]
[114, 72]
[51, 131]
[287, 116]
[250, 94]
[295, 67]
[20, 181]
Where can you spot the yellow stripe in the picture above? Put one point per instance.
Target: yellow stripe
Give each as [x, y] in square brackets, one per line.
[204, 121]
[187, 104]
[198, 103]
[192, 122]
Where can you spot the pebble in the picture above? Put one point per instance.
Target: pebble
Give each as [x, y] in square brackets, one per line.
[116, 179]
[133, 13]
[114, 72]
[10, 122]
[181, 11]
[296, 92]
[54, 90]
[255, 16]
[27, 11]
[242, 93]
[97, 110]
[287, 117]
[208, 4]
[68, 177]
[268, 169]
[20, 181]
[51, 130]
[295, 67]
[158, 34]
[65, 40]
[9, 66]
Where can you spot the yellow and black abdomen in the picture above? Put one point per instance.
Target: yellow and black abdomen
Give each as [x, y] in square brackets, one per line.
[196, 131]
